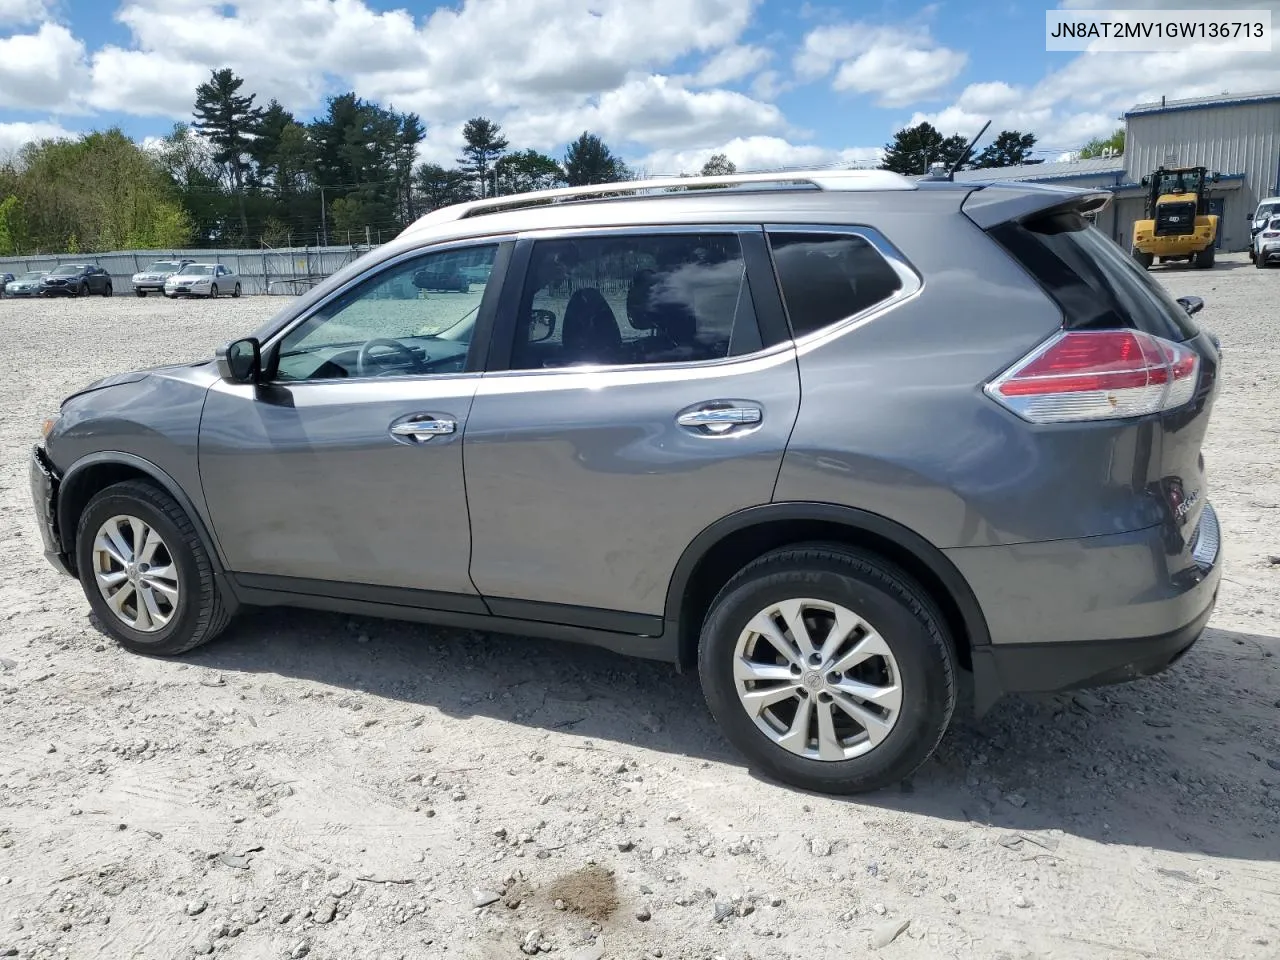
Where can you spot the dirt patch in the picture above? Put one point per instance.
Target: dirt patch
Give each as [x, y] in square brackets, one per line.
[591, 891]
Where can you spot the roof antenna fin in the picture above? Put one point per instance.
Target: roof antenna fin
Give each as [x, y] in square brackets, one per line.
[968, 152]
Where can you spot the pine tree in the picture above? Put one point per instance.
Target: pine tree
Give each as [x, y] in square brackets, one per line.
[230, 121]
[485, 144]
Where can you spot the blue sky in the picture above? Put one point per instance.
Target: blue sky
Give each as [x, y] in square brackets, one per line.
[665, 82]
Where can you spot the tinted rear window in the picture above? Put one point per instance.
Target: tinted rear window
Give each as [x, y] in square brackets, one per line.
[1097, 284]
[827, 277]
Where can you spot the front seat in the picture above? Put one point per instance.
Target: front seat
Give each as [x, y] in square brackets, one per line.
[590, 333]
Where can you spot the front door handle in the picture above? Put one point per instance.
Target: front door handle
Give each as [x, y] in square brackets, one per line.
[420, 429]
[719, 419]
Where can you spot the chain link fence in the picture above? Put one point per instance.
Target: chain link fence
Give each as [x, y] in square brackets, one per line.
[281, 270]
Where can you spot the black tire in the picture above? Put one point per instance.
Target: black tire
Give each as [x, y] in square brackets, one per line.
[213, 292]
[236, 292]
[141, 293]
[1204, 259]
[903, 614]
[200, 613]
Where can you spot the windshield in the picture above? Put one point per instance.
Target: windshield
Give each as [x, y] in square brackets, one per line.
[1180, 182]
[68, 270]
[160, 266]
[195, 270]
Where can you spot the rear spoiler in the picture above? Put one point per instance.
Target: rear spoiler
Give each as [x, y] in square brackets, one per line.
[998, 203]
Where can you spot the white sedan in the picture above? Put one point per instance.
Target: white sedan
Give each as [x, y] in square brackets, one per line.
[203, 280]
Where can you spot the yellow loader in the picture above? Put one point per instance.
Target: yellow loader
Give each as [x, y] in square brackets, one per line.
[1177, 226]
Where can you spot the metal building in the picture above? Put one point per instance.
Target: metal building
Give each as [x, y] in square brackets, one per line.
[1236, 135]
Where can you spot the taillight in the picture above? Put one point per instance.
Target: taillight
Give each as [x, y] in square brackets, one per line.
[1098, 375]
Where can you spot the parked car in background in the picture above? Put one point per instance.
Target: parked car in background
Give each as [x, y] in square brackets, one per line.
[202, 280]
[1268, 207]
[828, 448]
[25, 285]
[76, 280]
[151, 280]
[1266, 244]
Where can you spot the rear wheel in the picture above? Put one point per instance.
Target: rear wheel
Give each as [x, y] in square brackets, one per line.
[829, 668]
[146, 572]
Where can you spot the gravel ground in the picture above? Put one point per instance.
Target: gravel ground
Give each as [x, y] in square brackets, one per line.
[315, 785]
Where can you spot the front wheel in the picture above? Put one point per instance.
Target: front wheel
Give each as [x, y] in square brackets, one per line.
[829, 668]
[236, 292]
[145, 571]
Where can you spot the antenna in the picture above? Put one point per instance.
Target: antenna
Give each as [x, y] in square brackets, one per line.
[968, 151]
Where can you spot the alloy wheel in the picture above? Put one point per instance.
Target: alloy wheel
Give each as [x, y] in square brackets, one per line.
[135, 573]
[817, 679]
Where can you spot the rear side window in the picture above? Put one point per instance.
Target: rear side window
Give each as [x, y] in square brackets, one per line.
[1097, 285]
[829, 277]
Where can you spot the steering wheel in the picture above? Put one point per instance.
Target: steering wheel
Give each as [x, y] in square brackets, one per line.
[367, 365]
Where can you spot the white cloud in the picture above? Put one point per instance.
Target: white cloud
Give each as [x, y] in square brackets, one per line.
[730, 64]
[898, 66]
[22, 11]
[757, 153]
[650, 110]
[41, 70]
[144, 84]
[1088, 95]
[14, 135]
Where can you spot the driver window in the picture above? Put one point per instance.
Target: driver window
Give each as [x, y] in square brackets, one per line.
[412, 318]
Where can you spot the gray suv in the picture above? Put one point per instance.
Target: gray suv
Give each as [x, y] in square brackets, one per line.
[833, 439]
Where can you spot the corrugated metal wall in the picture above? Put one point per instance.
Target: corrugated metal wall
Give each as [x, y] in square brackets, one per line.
[1243, 138]
[280, 271]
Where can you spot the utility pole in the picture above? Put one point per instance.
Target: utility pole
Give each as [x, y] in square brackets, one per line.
[324, 227]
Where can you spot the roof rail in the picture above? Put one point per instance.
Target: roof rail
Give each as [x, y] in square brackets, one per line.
[834, 180]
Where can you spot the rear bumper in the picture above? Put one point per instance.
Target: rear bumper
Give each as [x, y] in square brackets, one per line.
[44, 493]
[1077, 613]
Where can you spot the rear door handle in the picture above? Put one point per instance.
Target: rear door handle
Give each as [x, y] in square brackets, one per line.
[419, 428]
[716, 419]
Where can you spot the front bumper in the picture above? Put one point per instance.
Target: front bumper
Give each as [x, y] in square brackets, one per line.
[44, 492]
[1079, 613]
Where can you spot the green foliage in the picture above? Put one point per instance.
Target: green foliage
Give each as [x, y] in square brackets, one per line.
[1010, 148]
[12, 231]
[485, 144]
[719, 166]
[528, 170]
[914, 149]
[1099, 145]
[588, 160]
[100, 192]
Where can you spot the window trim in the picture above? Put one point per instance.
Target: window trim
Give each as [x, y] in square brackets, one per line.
[480, 338]
[912, 282]
[767, 304]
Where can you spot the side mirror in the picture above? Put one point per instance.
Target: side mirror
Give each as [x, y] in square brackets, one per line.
[542, 324]
[240, 361]
[1192, 305]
